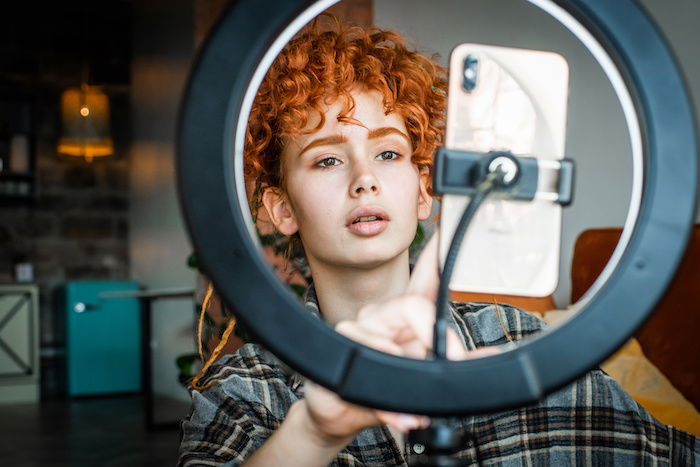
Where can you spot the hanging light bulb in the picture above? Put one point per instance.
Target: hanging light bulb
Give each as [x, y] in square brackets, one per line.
[85, 123]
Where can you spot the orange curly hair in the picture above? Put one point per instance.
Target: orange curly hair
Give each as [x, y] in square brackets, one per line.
[322, 65]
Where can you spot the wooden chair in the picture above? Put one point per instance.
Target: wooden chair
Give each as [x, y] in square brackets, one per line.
[536, 304]
[671, 337]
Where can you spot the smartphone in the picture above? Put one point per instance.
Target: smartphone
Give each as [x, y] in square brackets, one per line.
[509, 99]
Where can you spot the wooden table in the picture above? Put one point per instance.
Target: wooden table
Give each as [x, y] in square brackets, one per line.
[147, 297]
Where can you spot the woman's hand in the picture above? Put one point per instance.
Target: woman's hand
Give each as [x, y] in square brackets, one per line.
[400, 326]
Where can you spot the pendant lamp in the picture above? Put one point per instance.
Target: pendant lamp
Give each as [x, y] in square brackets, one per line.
[85, 127]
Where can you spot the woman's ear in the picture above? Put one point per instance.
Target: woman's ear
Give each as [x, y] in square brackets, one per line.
[279, 210]
[425, 201]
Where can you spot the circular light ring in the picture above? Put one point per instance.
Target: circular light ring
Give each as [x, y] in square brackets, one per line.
[221, 230]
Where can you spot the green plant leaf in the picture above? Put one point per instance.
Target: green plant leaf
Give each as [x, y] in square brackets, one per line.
[298, 289]
[419, 237]
[241, 332]
[193, 261]
[186, 363]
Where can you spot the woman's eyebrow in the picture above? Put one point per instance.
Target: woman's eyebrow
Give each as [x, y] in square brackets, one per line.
[385, 131]
[339, 139]
[325, 141]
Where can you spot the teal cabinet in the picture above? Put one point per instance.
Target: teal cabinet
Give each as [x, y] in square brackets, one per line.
[103, 341]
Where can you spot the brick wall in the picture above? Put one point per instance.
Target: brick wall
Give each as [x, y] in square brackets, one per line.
[76, 228]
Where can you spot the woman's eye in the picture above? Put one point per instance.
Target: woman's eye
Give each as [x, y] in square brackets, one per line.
[328, 162]
[387, 156]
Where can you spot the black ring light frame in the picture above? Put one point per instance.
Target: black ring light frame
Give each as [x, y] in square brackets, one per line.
[212, 123]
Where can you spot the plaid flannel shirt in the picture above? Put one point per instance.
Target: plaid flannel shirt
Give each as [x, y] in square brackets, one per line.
[590, 422]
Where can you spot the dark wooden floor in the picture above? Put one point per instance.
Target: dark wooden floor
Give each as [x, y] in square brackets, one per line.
[106, 431]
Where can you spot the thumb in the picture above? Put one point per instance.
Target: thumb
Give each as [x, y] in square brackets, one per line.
[425, 278]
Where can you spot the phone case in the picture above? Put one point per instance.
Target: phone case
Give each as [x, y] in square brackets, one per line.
[506, 99]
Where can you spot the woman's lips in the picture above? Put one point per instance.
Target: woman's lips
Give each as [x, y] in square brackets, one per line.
[368, 228]
[367, 221]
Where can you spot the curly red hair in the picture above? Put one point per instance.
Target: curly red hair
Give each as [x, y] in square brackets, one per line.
[322, 65]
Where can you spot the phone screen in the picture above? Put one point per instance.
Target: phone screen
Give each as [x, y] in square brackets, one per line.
[506, 99]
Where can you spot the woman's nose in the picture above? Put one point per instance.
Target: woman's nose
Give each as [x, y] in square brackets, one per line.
[365, 182]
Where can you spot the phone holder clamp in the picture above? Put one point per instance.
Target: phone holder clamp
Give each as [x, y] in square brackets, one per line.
[524, 178]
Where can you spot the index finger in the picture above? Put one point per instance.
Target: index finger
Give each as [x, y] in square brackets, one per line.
[425, 278]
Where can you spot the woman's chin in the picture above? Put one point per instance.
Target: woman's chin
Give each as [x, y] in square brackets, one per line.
[371, 258]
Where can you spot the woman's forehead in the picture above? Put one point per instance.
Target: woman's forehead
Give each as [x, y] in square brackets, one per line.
[366, 110]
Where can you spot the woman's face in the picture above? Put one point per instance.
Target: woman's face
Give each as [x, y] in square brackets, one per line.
[351, 190]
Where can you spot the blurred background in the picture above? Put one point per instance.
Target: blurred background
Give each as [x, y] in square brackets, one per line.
[98, 285]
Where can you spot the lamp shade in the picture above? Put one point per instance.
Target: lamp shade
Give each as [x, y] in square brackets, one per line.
[85, 123]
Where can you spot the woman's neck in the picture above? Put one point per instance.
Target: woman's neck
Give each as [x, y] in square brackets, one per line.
[343, 291]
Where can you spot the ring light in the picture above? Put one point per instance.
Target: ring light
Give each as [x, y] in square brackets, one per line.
[212, 123]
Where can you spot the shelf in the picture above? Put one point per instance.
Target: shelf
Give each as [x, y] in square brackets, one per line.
[17, 146]
[17, 176]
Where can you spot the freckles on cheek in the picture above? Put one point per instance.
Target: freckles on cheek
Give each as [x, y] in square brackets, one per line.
[310, 204]
[403, 182]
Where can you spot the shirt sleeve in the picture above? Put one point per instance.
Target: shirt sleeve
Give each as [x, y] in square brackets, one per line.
[591, 421]
[245, 401]
[222, 430]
